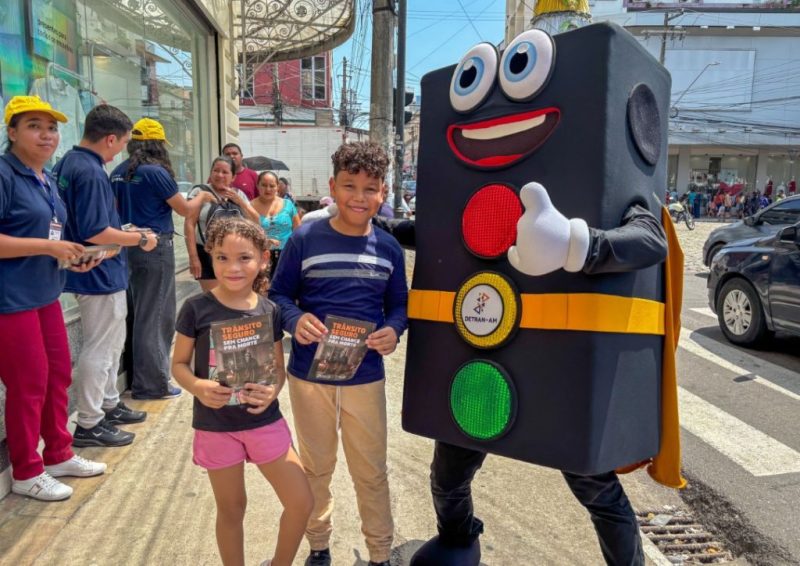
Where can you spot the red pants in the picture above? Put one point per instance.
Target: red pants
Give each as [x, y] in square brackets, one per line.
[36, 369]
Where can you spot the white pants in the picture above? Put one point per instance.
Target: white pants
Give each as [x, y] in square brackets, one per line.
[103, 322]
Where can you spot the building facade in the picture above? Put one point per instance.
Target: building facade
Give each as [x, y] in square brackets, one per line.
[289, 93]
[735, 109]
[166, 59]
[735, 112]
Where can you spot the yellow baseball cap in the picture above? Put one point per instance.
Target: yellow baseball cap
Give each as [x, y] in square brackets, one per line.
[148, 129]
[21, 104]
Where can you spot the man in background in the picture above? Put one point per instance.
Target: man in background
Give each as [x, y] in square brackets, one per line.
[244, 179]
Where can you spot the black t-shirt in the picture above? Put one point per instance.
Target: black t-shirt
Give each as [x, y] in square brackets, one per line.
[194, 321]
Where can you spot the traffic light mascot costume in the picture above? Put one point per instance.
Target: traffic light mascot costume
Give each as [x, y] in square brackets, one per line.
[545, 301]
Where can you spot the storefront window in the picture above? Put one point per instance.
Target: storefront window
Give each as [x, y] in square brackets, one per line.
[709, 171]
[739, 169]
[781, 169]
[142, 56]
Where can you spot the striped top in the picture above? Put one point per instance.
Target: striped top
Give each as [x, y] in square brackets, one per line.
[324, 272]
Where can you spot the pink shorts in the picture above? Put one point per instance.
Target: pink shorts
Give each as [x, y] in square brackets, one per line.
[218, 450]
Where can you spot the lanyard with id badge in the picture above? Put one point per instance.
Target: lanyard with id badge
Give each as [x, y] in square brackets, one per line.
[56, 227]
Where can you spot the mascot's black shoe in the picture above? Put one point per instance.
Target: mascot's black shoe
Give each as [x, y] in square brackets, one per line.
[436, 553]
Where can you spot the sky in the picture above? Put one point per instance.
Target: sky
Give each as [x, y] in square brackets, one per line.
[439, 32]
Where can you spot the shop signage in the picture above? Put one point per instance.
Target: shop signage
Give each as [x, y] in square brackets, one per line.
[53, 33]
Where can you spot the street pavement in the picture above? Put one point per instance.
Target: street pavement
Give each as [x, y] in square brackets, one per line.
[155, 507]
[741, 438]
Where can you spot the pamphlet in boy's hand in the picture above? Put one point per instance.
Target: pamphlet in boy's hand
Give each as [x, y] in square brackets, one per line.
[242, 352]
[341, 350]
[91, 253]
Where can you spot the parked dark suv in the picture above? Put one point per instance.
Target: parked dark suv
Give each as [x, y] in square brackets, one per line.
[754, 286]
[765, 222]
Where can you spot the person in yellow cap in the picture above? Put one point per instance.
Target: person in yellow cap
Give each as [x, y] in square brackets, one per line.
[147, 194]
[148, 129]
[37, 370]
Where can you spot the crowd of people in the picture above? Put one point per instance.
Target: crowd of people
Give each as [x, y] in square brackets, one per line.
[724, 205]
[252, 257]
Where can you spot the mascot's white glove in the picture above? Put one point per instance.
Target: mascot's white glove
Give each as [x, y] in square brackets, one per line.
[328, 212]
[546, 240]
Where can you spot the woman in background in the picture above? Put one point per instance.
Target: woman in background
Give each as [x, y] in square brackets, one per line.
[194, 227]
[278, 216]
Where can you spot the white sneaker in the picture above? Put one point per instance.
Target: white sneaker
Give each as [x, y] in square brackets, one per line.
[76, 466]
[44, 487]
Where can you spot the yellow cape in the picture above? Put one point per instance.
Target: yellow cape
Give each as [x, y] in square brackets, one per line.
[665, 467]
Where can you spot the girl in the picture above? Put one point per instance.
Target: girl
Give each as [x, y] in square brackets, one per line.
[220, 180]
[278, 216]
[35, 360]
[228, 435]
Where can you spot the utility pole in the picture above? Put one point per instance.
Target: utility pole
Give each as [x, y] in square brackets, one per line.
[414, 131]
[277, 102]
[666, 32]
[380, 95]
[400, 109]
[343, 117]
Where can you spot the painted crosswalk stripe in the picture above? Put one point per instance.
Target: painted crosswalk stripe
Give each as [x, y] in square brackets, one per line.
[756, 452]
[701, 347]
[706, 311]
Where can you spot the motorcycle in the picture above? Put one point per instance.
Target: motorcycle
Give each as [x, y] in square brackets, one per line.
[678, 212]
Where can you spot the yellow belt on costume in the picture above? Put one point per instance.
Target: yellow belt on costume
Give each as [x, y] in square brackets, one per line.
[486, 310]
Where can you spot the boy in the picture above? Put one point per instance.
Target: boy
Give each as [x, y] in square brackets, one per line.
[92, 219]
[343, 266]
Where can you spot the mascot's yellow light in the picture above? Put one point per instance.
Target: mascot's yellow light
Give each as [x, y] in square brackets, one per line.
[486, 310]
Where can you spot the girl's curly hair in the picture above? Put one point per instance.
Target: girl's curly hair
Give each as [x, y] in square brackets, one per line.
[248, 230]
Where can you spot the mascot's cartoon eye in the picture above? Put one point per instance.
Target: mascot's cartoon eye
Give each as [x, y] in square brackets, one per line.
[473, 78]
[527, 64]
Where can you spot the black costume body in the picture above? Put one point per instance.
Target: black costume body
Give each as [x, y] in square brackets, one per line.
[637, 244]
[585, 401]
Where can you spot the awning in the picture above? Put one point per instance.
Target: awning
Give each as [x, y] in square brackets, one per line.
[282, 30]
[267, 30]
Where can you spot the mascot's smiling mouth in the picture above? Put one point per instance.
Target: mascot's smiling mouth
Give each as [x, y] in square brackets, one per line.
[502, 141]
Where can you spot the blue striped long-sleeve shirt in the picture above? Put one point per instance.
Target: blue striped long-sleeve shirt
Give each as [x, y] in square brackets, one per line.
[324, 272]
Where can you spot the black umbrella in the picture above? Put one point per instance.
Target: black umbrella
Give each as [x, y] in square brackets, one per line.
[261, 163]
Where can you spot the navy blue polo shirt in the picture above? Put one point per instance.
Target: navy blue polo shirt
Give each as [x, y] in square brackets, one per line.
[25, 212]
[143, 200]
[91, 208]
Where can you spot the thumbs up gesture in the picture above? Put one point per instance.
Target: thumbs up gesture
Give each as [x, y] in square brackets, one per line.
[546, 239]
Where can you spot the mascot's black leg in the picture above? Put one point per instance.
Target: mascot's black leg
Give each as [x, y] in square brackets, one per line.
[612, 515]
[457, 544]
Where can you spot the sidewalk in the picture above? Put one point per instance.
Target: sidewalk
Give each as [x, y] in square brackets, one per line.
[154, 507]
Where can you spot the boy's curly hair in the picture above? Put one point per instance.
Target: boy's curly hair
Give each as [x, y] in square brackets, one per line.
[248, 230]
[355, 157]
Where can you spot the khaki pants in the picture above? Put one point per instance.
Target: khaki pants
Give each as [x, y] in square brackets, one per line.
[361, 413]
